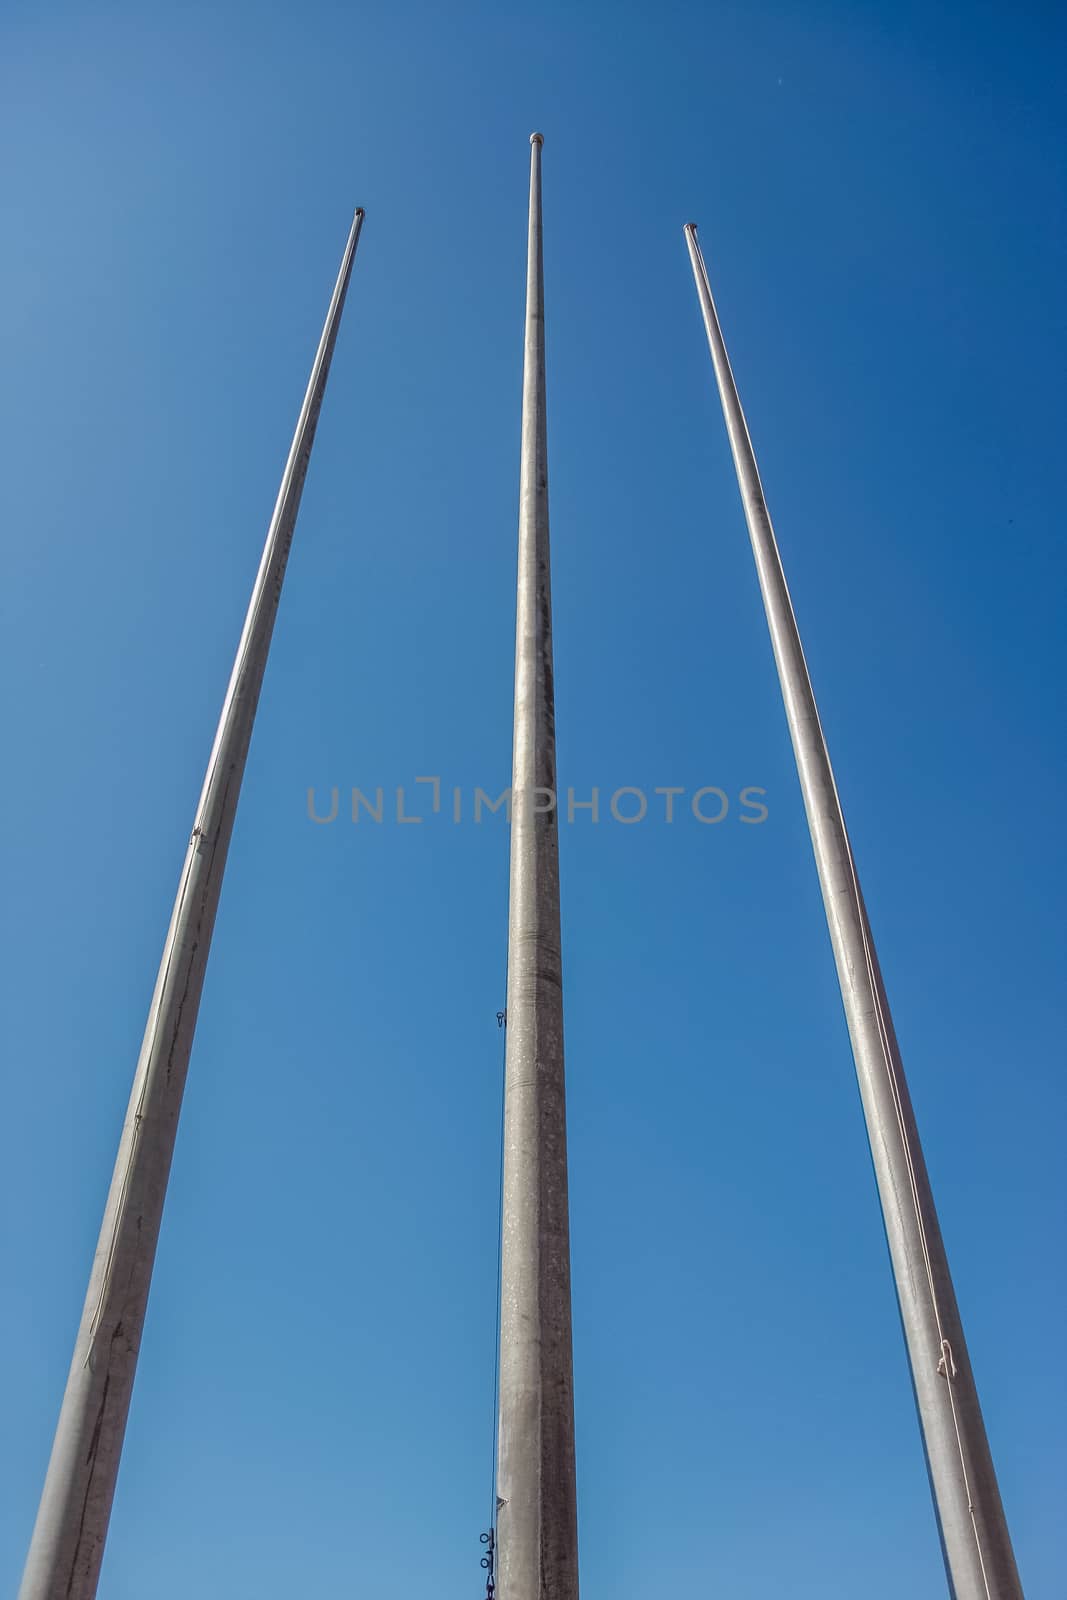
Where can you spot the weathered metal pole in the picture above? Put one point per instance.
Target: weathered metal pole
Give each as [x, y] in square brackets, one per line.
[68, 1539]
[974, 1534]
[537, 1525]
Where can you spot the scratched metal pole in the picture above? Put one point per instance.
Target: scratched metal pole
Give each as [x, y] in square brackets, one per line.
[68, 1539]
[537, 1521]
[974, 1534]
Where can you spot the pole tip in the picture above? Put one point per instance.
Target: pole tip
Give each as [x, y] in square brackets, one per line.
[690, 227]
[537, 138]
[360, 211]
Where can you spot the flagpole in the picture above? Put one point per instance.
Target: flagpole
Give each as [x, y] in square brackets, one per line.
[72, 1521]
[537, 1523]
[975, 1541]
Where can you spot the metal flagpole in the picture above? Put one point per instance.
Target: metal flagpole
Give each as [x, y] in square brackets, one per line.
[68, 1539]
[537, 1524]
[974, 1534]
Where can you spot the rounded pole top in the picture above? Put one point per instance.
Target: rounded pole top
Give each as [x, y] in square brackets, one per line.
[360, 211]
[537, 138]
[690, 227]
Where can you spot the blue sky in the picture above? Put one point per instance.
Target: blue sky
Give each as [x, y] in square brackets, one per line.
[880, 193]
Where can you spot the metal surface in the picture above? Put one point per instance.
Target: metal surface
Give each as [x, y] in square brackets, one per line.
[974, 1534]
[68, 1539]
[537, 1526]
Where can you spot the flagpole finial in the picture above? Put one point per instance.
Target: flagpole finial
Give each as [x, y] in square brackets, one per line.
[537, 138]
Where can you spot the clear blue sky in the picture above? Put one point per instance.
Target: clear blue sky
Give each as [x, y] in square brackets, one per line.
[880, 191]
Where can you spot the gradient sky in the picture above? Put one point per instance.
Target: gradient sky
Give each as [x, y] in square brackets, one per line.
[880, 191]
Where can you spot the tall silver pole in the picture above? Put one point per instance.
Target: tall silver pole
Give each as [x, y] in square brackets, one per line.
[537, 1524]
[974, 1534]
[68, 1539]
